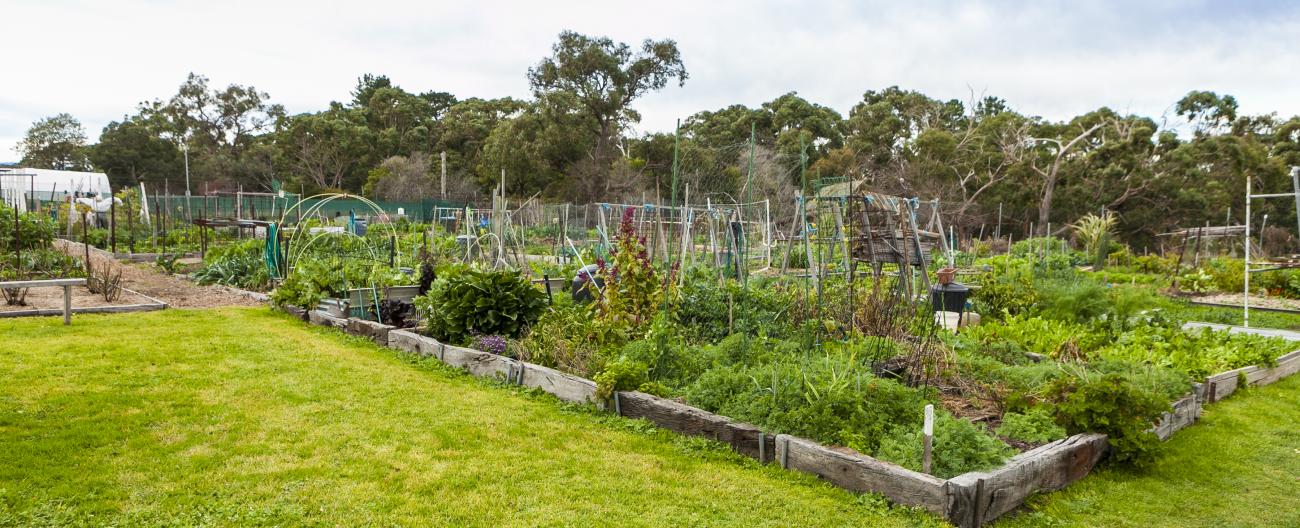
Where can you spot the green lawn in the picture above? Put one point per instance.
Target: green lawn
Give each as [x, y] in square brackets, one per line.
[240, 417]
[1238, 466]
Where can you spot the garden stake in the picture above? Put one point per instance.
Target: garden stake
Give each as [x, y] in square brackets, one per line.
[927, 439]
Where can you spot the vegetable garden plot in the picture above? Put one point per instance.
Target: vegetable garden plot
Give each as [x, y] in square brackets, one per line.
[1063, 368]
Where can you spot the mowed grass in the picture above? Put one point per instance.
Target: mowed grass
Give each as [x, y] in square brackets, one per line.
[1238, 466]
[241, 417]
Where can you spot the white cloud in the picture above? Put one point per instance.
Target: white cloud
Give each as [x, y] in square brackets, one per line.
[97, 60]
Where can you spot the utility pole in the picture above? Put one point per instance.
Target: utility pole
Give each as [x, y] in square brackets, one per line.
[443, 187]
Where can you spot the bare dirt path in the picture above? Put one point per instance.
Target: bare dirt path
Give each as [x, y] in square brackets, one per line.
[178, 292]
[147, 279]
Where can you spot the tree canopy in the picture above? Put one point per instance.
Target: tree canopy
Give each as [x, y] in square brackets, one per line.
[571, 141]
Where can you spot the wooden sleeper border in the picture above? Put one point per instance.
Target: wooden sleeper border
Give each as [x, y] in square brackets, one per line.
[967, 500]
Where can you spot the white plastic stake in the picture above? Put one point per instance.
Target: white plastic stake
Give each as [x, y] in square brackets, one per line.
[928, 430]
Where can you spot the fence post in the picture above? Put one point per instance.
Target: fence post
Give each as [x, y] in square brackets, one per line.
[112, 223]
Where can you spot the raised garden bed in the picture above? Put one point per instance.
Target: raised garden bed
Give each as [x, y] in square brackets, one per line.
[969, 499]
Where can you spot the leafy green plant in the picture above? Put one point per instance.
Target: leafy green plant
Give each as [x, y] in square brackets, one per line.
[1035, 426]
[632, 292]
[169, 263]
[238, 264]
[959, 447]
[473, 300]
[1197, 282]
[1108, 404]
[1004, 293]
[1094, 230]
[622, 374]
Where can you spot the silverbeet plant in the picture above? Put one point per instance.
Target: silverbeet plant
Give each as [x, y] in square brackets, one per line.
[465, 302]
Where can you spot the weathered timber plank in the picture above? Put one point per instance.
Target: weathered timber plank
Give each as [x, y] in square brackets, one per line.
[478, 363]
[408, 341]
[1269, 376]
[992, 494]
[318, 317]
[1223, 384]
[42, 283]
[125, 308]
[295, 311]
[374, 331]
[857, 472]
[1185, 412]
[682, 418]
[564, 386]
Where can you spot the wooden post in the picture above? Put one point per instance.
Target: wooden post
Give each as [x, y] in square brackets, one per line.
[130, 226]
[67, 305]
[112, 224]
[928, 438]
[443, 186]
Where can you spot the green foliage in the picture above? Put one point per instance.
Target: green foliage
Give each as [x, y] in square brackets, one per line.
[315, 279]
[632, 290]
[473, 300]
[35, 230]
[1198, 354]
[1094, 230]
[1197, 281]
[1005, 292]
[168, 262]
[710, 311]
[622, 374]
[1107, 404]
[1072, 300]
[1155, 264]
[1229, 274]
[1048, 337]
[1035, 426]
[959, 447]
[832, 398]
[568, 336]
[237, 264]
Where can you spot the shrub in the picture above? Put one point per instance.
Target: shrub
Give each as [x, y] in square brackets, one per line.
[1035, 426]
[1154, 264]
[1109, 405]
[499, 302]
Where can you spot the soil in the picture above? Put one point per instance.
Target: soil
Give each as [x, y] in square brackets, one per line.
[1234, 299]
[177, 292]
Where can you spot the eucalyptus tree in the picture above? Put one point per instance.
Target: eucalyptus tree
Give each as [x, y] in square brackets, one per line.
[55, 142]
[605, 77]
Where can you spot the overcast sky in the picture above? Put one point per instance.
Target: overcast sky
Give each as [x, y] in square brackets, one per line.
[97, 60]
